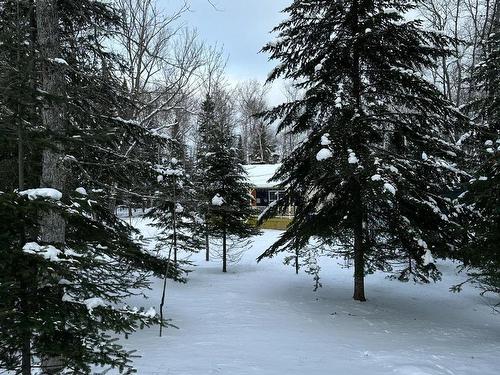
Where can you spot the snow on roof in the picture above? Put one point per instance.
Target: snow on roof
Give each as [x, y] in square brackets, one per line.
[260, 174]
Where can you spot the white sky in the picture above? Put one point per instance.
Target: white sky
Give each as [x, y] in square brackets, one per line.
[242, 27]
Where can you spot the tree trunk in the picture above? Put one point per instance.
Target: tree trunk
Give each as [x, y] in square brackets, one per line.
[27, 333]
[458, 100]
[52, 224]
[174, 221]
[207, 245]
[359, 249]
[25, 284]
[297, 261]
[358, 214]
[112, 200]
[164, 291]
[53, 116]
[20, 154]
[224, 247]
[28, 279]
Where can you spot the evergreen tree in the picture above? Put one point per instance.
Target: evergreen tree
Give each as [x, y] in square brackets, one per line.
[176, 212]
[206, 119]
[67, 263]
[224, 188]
[70, 298]
[378, 160]
[18, 98]
[481, 254]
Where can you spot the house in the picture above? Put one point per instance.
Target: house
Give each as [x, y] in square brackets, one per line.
[263, 191]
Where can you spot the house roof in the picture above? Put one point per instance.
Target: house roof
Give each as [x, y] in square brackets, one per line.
[260, 174]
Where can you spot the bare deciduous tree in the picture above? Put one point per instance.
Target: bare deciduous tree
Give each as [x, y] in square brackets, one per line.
[467, 22]
[286, 139]
[252, 100]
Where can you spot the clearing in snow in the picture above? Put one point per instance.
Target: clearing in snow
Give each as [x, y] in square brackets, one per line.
[263, 319]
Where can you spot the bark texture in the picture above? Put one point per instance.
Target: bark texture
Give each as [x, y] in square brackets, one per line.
[52, 224]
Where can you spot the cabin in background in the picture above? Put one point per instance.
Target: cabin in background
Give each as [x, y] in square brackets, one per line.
[263, 191]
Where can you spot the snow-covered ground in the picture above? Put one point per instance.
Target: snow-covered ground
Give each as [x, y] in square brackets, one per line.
[263, 319]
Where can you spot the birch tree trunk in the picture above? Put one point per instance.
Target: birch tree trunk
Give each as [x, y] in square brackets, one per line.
[52, 224]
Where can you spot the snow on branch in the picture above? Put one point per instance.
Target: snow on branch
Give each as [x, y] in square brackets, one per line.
[42, 193]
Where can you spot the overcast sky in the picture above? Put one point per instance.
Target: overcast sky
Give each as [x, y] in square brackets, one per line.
[242, 27]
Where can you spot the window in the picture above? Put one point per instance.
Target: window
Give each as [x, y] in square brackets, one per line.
[273, 196]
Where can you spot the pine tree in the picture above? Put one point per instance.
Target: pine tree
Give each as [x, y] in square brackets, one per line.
[176, 213]
[62, 286]
[481, 253]
[224, 188]
[18, 100]
[70, 303]
[371, 177]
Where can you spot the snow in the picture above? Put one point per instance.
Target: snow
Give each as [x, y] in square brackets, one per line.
[44, 193]
[92, 303]
[390, 188]
[323, 154]
[81, 191]
[376, 177]
[151, 313]
[58, 60]
[428, 258]
[463, 138]
[49, 252]
[422, 244]
[266, 210]
[128, 122]
[424, 156]
[217, 200]
[173, 172]
[390, 11]
[262, 319]
[352, 158]
[325, 140]
[392, 168]
[259, 174]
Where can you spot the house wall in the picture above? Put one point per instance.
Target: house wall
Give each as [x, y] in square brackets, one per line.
[262, 197]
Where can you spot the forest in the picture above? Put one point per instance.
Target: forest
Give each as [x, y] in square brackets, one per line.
[159, 215]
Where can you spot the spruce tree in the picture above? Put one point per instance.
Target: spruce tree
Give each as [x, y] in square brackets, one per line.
[372, 176]
[176, 214]
[481, 253]
[221, 178]
[18, 98]
[62, 286]
[70, 299]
